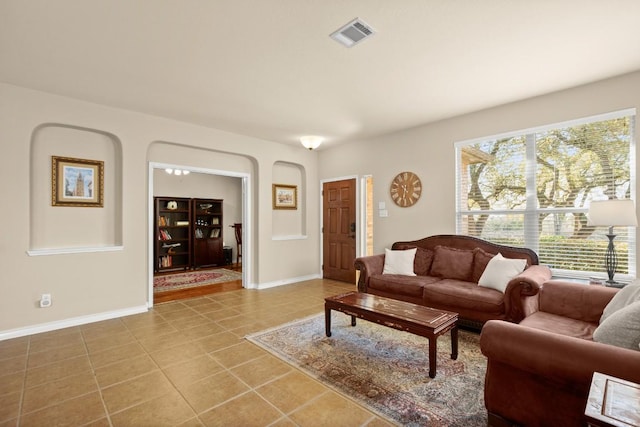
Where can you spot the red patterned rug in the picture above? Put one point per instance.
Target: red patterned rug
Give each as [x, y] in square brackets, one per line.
[190, 279]
[385, 370]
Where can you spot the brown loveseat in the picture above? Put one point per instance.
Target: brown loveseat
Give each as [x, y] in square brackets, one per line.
[539, 372]
[448, 268]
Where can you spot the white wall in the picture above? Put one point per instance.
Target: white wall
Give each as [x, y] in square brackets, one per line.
[429, 151]
[90, 285]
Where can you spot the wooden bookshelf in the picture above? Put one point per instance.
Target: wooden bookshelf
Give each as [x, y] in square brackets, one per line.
[207, 232]
[188, 233]
[172, 234]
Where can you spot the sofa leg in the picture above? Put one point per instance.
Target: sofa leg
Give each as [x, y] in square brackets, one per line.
[494, 420]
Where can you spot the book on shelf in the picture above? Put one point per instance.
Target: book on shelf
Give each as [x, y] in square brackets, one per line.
[215, 220]
[166, 261]
[171, 245]
[215, 233]
[164, 235]
[182, 223]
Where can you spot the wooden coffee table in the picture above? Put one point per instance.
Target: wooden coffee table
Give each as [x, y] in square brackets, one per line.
[416, 319]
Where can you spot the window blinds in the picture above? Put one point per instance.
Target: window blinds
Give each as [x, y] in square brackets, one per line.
[533, 188]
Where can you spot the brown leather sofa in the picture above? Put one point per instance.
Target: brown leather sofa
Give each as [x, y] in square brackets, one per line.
[539, 371]
[451, 283]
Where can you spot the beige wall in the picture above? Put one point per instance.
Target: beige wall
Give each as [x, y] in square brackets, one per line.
[99, 284]
[88, 285]
[429, 151]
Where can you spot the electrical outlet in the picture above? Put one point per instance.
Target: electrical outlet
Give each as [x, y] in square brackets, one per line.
[45, 300]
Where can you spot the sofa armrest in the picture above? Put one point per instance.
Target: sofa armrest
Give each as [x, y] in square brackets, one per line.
[521, 294]
[540, 378]
[561, 359]
[368, 266]
[575, 300]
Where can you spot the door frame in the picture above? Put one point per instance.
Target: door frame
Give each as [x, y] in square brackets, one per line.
[247, 250]
[360, 211]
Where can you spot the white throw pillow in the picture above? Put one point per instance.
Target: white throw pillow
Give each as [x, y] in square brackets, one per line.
[399, 262]
[621, 328]
[625, 296]
[500, 271]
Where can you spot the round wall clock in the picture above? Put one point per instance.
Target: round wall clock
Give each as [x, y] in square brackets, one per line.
[405, 189]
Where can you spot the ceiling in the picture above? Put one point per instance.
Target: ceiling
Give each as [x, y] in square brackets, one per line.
[268, 68]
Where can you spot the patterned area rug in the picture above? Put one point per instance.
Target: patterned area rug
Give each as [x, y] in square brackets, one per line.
[190, 279]
[386, 370]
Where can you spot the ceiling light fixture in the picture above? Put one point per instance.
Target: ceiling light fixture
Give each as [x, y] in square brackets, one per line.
[311, 142]
[172, 171]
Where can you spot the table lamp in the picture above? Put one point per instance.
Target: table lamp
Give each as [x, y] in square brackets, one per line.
[612, 213]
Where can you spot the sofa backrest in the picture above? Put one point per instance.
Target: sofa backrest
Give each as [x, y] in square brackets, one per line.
[470, 243]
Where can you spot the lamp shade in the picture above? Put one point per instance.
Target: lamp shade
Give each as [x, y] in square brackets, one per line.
[612, 213]
[311, 142]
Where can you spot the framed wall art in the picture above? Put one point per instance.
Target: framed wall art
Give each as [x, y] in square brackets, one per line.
[285, 196]
[77, 182]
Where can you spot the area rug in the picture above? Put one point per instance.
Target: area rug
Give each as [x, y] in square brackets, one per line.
[386, 370]
[190, 279]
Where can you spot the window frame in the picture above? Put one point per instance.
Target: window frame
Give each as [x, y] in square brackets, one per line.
[531, 210]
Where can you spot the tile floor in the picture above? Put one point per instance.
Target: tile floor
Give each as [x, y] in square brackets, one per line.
[184, 363]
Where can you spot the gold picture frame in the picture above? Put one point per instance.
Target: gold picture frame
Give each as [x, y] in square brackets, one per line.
[285, 196]
[77, 182]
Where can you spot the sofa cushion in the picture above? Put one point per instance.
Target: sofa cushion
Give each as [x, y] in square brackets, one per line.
[621, 328]
[402, 285]
[399, 262]
[500, 271]
[452, 263]
[560, 325]
[480, 260]
[625, 296]
[422, 264]
[468, 295]
[423, 260]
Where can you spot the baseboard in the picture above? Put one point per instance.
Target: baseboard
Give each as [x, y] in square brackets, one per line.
[285, 281]
[67, 323]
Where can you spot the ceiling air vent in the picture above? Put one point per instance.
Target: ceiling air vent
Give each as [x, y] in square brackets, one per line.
[353, 33]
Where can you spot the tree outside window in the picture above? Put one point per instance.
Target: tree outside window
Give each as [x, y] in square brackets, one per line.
[533, 189]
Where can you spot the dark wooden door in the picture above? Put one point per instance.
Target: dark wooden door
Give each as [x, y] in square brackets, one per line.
[339, 230]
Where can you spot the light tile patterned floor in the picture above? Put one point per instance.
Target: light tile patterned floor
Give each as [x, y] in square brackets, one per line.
[184, 363]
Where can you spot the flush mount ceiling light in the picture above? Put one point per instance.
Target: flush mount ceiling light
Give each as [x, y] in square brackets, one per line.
[171, 171]
[353, 33]
[311, 142]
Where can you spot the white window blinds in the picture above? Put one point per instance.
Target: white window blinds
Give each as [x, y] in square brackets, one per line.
[533, 188]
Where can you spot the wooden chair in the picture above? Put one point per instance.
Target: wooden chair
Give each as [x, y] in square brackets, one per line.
[238, 231]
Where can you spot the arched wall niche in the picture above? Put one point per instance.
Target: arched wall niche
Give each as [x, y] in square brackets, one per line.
[290, 223]
[55, 229]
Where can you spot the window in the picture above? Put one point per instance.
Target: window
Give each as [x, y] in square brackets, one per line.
[533, 188]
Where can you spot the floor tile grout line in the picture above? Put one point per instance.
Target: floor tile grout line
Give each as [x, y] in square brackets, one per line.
[24, 385]
[25, 388]
[95, 379]
[241, 306]
[175, 387]
[159, 369]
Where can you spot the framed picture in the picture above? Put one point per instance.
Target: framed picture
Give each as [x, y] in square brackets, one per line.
[285, 196]
[77, 182]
